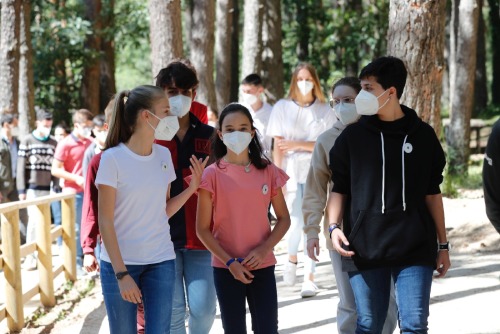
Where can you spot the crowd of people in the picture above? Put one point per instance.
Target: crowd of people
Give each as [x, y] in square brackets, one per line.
[179, 216]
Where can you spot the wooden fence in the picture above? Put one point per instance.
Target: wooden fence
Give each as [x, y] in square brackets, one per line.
[12, 252]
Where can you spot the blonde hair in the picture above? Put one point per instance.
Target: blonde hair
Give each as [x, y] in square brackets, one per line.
[317, 92]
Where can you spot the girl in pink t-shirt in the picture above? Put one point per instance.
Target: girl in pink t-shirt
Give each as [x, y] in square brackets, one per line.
[236, 191]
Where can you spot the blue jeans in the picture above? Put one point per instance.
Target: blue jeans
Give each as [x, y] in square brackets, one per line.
[413, 292]
[193, 279]
[156, 282]
[55, 207]
[79, 250]
[261, 296]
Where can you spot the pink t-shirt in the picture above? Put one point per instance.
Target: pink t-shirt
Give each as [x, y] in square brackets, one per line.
[240, 204]
[70, 152]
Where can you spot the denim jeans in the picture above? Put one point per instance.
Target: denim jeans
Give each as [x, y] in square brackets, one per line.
[261, 296]
[194, 280]
[79, 250]
[156, 282]
[413, 291]
[55, 208]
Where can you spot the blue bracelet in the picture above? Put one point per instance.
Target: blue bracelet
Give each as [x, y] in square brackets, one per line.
[239, 259]
[331, 228]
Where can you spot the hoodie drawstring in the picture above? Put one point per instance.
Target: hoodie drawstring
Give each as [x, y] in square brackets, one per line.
[383, 172]
[402, 172]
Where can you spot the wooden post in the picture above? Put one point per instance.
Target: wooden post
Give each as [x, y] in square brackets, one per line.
[11, 244]
[69, 237]
[44, 246]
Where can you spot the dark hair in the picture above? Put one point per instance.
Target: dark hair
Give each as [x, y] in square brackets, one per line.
[252, 79]
[99, 120]
[352, 82]
[388, 71]
[81, 116]
[7, 118]
[179, 73]
[128, 104]
[218, 149]
[63, 126]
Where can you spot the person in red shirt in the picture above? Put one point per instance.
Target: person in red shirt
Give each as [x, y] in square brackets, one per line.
[67, 165]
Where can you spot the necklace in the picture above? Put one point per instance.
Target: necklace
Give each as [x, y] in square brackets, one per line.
[247, 166]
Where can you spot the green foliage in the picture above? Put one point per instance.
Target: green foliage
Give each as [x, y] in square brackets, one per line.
[471, 178]
[58, 38]
[339, 39]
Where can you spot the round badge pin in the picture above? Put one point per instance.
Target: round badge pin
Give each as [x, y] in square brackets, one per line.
[408, 148]
[265, 189]
[164, 166]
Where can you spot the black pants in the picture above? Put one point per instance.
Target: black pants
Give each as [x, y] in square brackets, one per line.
[261, 296]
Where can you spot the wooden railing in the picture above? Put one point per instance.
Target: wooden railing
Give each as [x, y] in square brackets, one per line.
[12, 252]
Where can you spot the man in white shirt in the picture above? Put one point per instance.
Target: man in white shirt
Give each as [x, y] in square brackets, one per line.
[251, 95]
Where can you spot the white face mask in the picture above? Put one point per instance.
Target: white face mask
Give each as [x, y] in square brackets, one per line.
[179, 105]
[43, 131]
[249, 98]
[237, 141]
[367, 103]
[305, 86]
[14, 131]
[101, 137]
[346, 113]
[166, 128]
[85, 132]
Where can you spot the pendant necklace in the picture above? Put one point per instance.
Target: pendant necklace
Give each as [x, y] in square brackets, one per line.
[247, 166]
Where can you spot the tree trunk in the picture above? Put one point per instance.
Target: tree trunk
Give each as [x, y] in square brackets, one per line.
[272, 56]
[416, 35]
[90, 90]
[303, 32]
[495, 45]
[252, 37]
[463, 47]
[480, 86]
[235, 52]
[223, 40]
[9, 55]
[445, 96]
[107, 61]
[165, 32]
[26, 79]
[202, 49]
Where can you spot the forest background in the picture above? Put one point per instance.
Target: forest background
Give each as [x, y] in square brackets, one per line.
[63, 55]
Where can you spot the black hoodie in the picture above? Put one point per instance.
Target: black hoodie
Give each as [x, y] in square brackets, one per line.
[491, 177]
[386, 169]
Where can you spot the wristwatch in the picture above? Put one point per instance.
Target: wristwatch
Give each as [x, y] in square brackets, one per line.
[121, 275]
[444, 246]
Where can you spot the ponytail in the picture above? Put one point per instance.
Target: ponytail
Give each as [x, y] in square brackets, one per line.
[128, 104]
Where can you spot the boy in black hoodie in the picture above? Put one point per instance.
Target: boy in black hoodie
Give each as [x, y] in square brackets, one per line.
[386, 170]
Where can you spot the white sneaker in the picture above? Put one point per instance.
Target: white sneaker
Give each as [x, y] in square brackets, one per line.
[309, 289]
[30, 263]
[290, 273]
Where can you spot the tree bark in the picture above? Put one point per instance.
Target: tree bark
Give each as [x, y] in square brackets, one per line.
[223, 46]
[235, 52]
[463, 47]
[252, 37]
[303, 31]
[480, 86]
[165, 31]
[416, 35]
[202, 49]
[90, 90]
[9, 55]
[107, 61]
[494, 17]
[272, 55]
[26, 79]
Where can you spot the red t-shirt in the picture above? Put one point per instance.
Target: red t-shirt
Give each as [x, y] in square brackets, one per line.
[70, 152]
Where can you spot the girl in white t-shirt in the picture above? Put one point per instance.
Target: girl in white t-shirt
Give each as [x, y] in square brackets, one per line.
[295, 124]
[134, 176]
